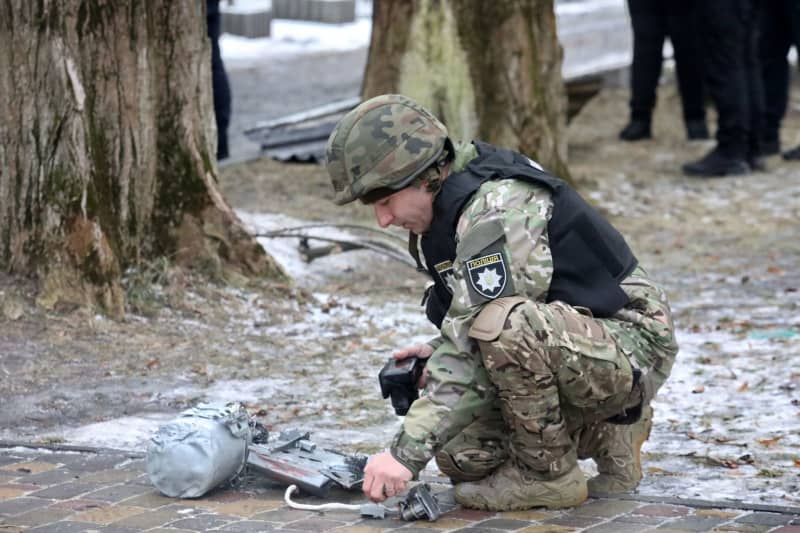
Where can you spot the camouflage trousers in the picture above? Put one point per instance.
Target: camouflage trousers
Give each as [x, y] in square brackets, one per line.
[556, 371]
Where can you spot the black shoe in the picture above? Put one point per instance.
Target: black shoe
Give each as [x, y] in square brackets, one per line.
[715, 163]
[769, 147]
[793, 154]
[696, 130]
[636, 130]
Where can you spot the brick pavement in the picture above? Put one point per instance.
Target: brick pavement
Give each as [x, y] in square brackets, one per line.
[65, 490]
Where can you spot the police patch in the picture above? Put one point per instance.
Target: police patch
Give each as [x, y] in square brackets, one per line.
[488, 274]
[445, 271]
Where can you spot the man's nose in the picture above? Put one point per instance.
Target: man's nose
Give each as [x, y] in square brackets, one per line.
[383, 216]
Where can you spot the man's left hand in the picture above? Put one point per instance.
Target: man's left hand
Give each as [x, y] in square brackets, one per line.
[385, 477]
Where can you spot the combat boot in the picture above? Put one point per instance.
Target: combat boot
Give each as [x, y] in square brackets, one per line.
[618, 456]
[513, 489]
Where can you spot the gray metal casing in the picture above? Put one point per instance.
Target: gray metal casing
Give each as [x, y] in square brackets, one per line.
[203, 448]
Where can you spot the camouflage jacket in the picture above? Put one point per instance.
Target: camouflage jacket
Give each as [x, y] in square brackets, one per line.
[459, 389]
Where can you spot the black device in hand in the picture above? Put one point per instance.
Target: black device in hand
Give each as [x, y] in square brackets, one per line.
[398, 379]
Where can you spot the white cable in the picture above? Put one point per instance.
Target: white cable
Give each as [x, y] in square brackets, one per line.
[324, 507]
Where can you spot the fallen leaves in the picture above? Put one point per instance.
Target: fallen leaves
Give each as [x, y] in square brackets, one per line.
[769, 443]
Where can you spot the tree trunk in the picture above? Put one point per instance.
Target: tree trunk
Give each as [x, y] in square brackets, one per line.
[491, 70]
[107, 148]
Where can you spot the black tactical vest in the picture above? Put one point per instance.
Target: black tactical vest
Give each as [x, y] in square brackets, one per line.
[590, 257]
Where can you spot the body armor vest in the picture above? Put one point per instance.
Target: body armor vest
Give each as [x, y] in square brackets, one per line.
[590, 257]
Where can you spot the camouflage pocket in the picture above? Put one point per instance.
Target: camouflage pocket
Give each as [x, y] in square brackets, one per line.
[594, 373]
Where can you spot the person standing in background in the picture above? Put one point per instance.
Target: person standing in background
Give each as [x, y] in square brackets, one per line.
[219, 79]
[652, 21]
[780, 29]
[729, 29]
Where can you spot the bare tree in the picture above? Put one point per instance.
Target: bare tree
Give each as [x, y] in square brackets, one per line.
[107, 148]
[490, 69]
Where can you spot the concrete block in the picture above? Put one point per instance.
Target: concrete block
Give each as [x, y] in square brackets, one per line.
[252, 23]
[327, 11]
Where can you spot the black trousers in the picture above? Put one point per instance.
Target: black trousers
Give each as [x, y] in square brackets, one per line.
[780, 29]
[219, 79]
[653, 21]
[730, 31]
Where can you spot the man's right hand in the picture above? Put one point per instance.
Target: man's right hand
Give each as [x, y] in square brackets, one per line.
[421, 351]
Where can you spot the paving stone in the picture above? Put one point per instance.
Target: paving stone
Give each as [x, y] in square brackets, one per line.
[63, 527]
[359, 529]
[694, 523]
[315, 524]
[787, 529]
[470, 514]
[226, 496]
[110, 476]
[445, 523]
[117, 493]
[429, 530]
[7, 493]
[149, 519]
[107, 515]
[7, 476]
[615, 526]
[79, 505]
[661, 510]
[642, 519]
[283, 515]
[606, 508]
[202, 522]
[170, 530]
[743, 528]
[18, 506]
[502, 523]
[248, 526]
[38, 517]
[94, 463]
[248, 507]
[474, 529]
[115, 529]
[766, 519]
[546, 528]
[9, 459]
[65, 491]
[151, 500]
[572, 520]
[530, 515]
[30, 467]
[729, 514]
[53, 477]
[381, 524]
[27, 487]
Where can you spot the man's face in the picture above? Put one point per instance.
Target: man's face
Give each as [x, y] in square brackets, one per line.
[410, 208]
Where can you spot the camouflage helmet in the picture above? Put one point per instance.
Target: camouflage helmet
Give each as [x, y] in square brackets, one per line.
[385, 142]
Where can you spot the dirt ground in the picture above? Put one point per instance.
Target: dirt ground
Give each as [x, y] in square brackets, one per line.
[727, 250]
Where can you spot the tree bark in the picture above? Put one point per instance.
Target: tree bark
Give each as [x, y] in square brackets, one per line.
[107, 148]
[489, 70]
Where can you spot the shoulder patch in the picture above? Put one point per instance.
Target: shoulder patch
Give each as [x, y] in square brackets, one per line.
[488, 274]
[445, 271]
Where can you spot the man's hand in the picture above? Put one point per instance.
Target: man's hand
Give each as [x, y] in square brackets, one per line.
[385, 477]
[421, 351]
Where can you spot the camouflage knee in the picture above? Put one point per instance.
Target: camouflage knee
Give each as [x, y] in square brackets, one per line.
[477, 451]
[524, 368]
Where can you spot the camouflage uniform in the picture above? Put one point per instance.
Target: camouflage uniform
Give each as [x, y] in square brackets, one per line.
[514, 380]
[551, 376]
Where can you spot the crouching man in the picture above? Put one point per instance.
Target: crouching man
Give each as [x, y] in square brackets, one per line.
[554, 340]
